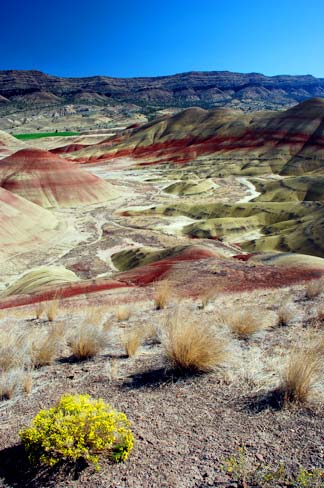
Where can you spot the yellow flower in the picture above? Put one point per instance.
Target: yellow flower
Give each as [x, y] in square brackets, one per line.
[79, 426]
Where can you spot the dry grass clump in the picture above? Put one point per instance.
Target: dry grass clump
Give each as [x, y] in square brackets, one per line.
[95, 316]
[320, 314]
[39, 310]
[245, 323]
[123, 312]
[133, 339]
[14, 349]
[27, 382]
[151, 334]
[46, 345]
[163, 293]
[285, 315]
[207, 296]
[191, 345]
[87, 341]
[302, 374]
[9, 382]
[314, 288]
[112, 369]
[52, 309]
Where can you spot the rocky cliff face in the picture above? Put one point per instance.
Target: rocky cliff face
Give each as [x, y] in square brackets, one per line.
[207, 89]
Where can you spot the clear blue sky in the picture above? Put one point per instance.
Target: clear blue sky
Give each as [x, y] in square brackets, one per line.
[158, 37]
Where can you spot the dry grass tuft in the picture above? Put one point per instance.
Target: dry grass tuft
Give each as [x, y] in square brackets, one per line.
[302, 374]
[133, 339]
[112, 369]
[163, 292]
[207, 296]
[245, 323]
[285, 315]
[28, 383]
[192, 346]
[14, 349]
[95, 316]
[39, 310]
[107, 326]
[46, 346]
[314, 288]
[87, 341]
[52, 310]
[320, 314]
[9, 382]
[151, 334]
[123, 312]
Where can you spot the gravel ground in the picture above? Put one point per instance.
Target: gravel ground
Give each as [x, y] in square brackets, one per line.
[185, 427]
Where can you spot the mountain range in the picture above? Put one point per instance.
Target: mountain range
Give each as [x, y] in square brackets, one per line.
[207, 89]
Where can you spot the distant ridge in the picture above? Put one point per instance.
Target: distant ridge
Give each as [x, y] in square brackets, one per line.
[205, 89]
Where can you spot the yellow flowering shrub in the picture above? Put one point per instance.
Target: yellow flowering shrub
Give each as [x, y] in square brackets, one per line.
[78, 427]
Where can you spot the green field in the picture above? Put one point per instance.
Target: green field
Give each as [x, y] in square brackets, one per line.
[38, 135]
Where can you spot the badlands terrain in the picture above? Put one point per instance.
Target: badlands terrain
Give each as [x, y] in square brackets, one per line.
[209, 217]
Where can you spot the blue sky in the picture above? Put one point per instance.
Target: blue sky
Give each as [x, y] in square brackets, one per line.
[158, 37]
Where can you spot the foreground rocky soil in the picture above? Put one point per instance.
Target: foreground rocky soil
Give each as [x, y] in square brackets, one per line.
[186, 427]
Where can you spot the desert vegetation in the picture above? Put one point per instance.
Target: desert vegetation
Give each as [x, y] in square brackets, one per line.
[132, 340]
[78, 427]
[191, 346]
[46, 345]
[163, 293]
[314, 288]
[285, 314]
[245, 469]
[123, 312]
[302, 374]
[87, 340]
[244, 323]
[52, 309]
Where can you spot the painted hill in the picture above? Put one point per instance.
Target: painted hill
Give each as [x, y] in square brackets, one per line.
[207, 89]
[49, 181]
[9, 144]
[39, 279]
[288, 143]
[23, 224]
[282, 152]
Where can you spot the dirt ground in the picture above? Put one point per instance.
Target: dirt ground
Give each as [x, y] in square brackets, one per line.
[186, 428]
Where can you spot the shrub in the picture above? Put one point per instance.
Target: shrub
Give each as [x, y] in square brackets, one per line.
[78, 427]
[191, 345]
